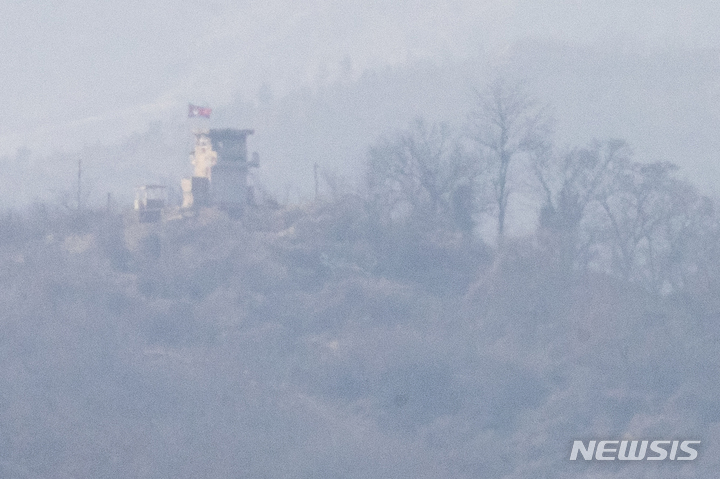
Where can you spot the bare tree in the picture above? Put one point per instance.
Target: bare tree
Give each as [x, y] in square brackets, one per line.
[507, 124]
[569, 183]
[634, 219]
[654, 223]
[421, 172]
[690, 225]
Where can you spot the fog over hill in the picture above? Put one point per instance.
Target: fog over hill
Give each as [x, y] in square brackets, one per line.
[320, 80]
[474, 286]
[666, 103]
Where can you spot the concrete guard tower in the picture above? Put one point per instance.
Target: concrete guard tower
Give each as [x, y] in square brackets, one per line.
[220, 169]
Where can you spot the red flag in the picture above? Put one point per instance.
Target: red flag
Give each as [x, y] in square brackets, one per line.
[194, 111]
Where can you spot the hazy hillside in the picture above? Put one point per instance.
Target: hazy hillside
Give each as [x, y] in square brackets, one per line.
[479, 231]
[316, 342]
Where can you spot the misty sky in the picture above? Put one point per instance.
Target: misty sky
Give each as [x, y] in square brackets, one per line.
[79, 62]
[81, 72]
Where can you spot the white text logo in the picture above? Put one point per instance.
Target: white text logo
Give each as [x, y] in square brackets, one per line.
[634, 450]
